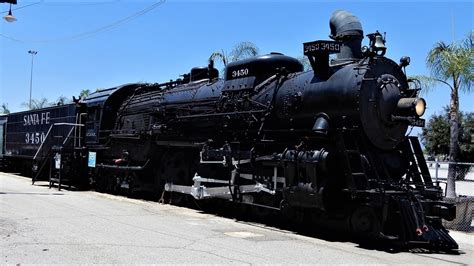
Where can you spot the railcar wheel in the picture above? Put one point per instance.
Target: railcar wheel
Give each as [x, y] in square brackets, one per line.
[102, 181]
[177, 168]
[364, 223]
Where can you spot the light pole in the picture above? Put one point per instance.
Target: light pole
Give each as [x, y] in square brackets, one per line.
[33, 53]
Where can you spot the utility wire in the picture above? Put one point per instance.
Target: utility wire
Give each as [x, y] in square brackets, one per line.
[81, 3]
[21, 7]
[90, 33]
[63, 4]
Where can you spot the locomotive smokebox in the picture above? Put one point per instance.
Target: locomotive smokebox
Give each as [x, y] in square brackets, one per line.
[346, 28]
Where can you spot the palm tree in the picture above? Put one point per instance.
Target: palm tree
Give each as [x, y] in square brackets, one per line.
[84, 93]
[453, 65]
[240, 51]
[37, 103]
[4, 109]
[62, 100]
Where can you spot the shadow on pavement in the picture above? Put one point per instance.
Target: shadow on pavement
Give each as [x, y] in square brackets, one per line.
[30, 193]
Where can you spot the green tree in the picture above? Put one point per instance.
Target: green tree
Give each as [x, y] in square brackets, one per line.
[4, 109]
[84, 93]
[305, 62]
[466, 137]
[37, 103]
[453, 65]
[240, 51]
[62, 100]
[435, 136]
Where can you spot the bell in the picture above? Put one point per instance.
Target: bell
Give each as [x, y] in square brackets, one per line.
[379, 45]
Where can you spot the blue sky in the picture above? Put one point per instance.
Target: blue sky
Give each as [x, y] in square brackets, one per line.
[178, 35]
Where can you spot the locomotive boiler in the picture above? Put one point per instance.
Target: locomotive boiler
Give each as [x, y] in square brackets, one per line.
[331, 141]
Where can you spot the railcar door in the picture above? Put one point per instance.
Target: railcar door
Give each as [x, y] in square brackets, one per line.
[93, 124]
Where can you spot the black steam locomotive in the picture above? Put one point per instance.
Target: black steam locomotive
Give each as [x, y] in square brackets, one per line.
[330, 141]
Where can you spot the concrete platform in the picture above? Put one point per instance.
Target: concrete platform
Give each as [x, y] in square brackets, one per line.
[41, 225]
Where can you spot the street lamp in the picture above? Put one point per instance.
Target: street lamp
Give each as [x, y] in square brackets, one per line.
[33, 53]
[9, 17]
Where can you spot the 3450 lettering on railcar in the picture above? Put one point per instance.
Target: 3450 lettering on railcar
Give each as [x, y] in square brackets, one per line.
[25, 132]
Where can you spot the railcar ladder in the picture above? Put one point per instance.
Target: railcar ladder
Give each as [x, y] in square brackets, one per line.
[44, 154]
[353, 169]
[60, 156]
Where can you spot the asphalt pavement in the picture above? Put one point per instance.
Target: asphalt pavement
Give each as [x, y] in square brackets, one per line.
[42, 225]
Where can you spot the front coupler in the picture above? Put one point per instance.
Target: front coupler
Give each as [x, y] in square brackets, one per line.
[418, 222]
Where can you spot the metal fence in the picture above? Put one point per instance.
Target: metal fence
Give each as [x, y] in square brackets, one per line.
[439, 170]
[464, 214]
[464, 186]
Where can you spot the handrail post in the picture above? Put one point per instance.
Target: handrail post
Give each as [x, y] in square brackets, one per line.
[75, 130]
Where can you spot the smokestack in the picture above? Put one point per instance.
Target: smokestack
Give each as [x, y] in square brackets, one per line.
[346, 28]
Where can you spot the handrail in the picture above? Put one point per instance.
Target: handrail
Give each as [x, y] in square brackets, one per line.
[68, 135]
[78, 132]
[448, 162]
[41, 168]
[68, 124]
[51, 142]
[49, 131]
[75, 129]
[41, 146]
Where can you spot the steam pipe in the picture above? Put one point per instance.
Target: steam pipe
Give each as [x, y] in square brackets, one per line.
[346, 28]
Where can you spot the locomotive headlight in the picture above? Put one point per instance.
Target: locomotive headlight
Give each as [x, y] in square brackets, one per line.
[411, 107]
[420, 106]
